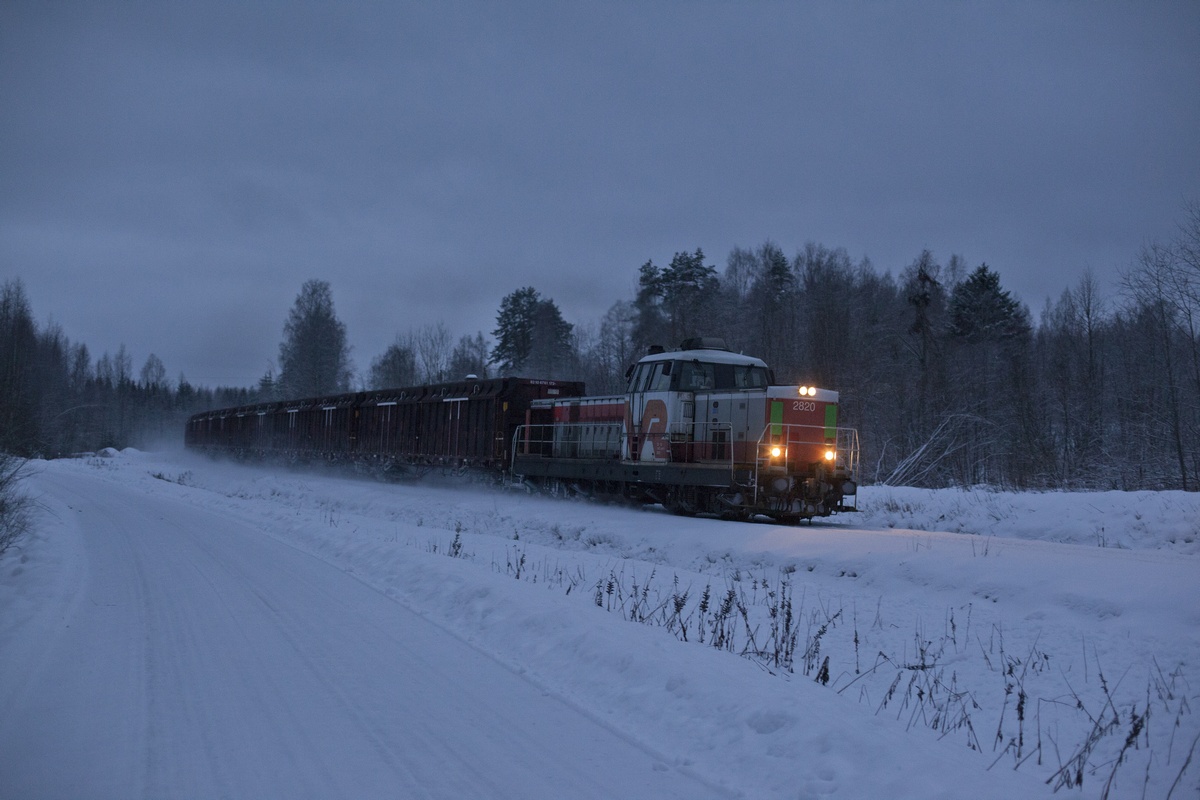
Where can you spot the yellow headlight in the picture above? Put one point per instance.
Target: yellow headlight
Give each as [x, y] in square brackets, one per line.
[776, 452]
[829, 455]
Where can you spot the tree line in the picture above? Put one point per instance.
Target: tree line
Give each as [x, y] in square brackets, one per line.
[949, 378]
[55, 399]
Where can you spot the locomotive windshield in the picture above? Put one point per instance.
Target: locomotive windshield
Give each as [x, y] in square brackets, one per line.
[697, 376]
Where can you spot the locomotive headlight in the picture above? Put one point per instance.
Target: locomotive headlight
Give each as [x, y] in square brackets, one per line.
[830, 455]
[803, 391]
[776, 451]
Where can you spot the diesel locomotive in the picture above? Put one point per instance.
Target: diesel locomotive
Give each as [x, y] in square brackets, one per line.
[699, 430]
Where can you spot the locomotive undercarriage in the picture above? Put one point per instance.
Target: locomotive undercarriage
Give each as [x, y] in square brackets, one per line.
[691, 489]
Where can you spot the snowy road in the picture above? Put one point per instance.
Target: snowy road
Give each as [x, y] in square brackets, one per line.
[188, 655]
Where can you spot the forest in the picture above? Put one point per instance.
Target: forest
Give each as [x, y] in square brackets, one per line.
[949, 379]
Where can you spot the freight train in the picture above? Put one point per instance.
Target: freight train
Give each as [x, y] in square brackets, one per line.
[699, 430]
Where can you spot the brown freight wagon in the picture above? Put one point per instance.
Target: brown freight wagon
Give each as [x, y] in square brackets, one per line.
[467, 423]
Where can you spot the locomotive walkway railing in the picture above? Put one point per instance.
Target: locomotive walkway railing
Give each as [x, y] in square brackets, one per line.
[690, 443]
[795, 447]
[695, 443]
[780, 462]
[798, 447]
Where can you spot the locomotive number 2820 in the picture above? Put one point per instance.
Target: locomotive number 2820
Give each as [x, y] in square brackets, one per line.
[803, 405]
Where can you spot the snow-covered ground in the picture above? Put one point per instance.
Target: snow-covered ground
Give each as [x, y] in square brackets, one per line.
[179, 627]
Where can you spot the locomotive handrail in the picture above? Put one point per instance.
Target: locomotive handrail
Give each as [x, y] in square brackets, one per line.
[845, 446]
[524, 443]
[845, 440]
[700, 435]
[597, 440]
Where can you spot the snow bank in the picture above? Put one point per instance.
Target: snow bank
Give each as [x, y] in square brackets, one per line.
[942, 643]
[1129, 520]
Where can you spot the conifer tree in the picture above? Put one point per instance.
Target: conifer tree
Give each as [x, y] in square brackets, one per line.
[19, 395]
[314, 358]
[531, 334]
[981, 311]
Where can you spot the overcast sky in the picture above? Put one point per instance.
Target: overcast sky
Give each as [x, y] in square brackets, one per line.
[171, 173]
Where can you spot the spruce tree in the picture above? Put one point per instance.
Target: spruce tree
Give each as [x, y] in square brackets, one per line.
[981, 311]
[514, 329]
[531, 334]
[314, 358]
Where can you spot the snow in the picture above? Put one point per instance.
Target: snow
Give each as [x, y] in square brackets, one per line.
[179, 627]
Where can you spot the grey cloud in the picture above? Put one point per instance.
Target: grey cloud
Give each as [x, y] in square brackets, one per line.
[200, 161]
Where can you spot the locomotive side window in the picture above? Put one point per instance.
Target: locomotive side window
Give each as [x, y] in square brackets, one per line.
[695, 377]
[660, 377]
[749, 377]
[639, 378]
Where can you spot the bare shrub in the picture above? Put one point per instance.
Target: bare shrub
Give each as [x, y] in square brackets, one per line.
[14, 506]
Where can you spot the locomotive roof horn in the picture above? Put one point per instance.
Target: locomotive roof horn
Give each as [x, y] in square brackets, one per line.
[703, 343]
